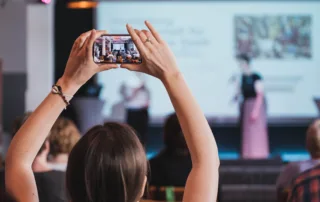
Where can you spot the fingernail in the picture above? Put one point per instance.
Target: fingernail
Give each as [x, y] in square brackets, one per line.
[129, 26]
[147, 21]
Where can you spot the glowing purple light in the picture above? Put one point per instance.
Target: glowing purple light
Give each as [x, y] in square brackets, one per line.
[46, 1]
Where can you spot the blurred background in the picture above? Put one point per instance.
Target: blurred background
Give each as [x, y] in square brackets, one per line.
[206, 36]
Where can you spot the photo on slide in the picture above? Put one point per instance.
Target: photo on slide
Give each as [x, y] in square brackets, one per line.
[278, 37]
[115, 49]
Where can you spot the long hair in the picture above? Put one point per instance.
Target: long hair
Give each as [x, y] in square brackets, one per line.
[108, 164]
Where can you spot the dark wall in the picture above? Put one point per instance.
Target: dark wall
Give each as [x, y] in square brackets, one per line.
[69, 24]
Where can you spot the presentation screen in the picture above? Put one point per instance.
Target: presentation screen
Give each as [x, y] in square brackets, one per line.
[205, 36]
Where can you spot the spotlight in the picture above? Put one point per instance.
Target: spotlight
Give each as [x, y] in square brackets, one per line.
[46, 1]
[82, 4]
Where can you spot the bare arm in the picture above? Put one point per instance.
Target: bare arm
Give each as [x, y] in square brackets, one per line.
[23, 149]
[202, 184]
[258, 85]
[20, 182]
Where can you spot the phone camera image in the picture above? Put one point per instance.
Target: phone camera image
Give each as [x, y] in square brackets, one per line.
[118, 49]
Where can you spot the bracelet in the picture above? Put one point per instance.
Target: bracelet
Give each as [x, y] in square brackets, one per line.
[58, 90]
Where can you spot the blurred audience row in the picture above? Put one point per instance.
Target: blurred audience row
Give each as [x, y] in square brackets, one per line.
[169, 169]
[299, 181]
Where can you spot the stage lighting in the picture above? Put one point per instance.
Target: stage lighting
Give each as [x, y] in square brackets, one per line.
[82, 4]
[46, 1]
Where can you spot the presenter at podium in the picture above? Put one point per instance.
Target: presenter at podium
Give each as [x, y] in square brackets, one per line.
[253, 116]
[137, 101]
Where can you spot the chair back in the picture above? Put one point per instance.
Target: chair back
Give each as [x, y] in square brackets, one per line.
[165, 194]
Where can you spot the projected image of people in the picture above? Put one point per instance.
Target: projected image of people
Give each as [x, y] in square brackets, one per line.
[116, 49]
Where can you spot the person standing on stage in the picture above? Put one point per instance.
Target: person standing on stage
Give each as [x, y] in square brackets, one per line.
[253, 116]
[137, 101]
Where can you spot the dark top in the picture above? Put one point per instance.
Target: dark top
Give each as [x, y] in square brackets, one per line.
[247, 85]
[170, 170]
[51, 186]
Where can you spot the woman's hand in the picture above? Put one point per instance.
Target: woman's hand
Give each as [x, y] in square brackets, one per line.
[157, 58]
[81, 66]
[254, 116]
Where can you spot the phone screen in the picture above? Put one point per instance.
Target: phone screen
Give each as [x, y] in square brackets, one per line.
[118, 49]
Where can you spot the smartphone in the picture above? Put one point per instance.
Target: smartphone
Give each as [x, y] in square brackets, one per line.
[116, 49]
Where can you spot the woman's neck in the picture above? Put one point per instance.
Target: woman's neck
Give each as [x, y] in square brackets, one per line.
[247, 72]
[60, 158]
[40, 164]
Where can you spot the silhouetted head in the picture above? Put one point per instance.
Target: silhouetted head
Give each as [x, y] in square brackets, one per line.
[313, 139]
[108, 164]
[243, 61]
[173, 136]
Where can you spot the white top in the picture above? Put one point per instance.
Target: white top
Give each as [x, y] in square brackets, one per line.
[135, 93]
[58, 166]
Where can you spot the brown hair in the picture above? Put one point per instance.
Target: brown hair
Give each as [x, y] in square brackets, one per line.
[63, 136]
[313, 139]
[108, 164]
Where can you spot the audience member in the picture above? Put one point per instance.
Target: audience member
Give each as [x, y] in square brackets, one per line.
[173, 165]
[293, 169]
[109, 162]
[306, 187]
[50, 183]
[63, 136]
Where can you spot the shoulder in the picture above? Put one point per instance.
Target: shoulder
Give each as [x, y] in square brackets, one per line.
[307, 176]
[256, 76]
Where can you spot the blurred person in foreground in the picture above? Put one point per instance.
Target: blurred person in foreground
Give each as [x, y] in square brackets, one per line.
[172, 165]
[109, 162]
[63, 136]
[292, 170]
[50, 183]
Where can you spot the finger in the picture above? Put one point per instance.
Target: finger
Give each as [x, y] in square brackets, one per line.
[150, 37]
[145, 40]
[93, 37]
[107, 67]
[136, 39]
[154, 32]
[83, 37]
[131, 67]
[76, 44]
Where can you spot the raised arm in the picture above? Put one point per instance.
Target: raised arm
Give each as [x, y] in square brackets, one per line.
[20, 182]
[159, 61]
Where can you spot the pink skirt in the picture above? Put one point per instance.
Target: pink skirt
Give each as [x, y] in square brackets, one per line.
[255, 141]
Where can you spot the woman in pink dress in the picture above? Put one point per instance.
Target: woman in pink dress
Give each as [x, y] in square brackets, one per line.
[253, 116]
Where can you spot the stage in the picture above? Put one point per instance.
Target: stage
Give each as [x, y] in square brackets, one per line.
[287, 142]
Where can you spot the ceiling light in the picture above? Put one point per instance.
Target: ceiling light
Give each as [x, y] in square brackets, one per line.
[82, 4]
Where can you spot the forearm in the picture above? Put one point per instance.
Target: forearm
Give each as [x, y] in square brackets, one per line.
[258, 103]
[29, 139]
[196, 129]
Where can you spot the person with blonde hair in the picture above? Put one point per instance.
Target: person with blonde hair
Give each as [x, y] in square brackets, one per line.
[292, 170]
[63, 136]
